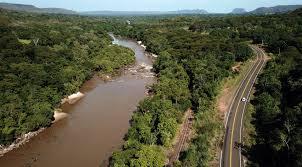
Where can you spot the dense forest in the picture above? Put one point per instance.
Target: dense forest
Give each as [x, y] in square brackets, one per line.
[46, 57]
[278, 97]
[195, 54]
[43, 58]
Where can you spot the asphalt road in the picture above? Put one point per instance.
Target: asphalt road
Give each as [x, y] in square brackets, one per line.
[231, 151]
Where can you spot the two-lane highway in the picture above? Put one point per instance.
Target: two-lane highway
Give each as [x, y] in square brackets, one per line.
[231, 151]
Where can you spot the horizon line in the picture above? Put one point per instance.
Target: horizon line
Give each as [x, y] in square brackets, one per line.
[109, 10]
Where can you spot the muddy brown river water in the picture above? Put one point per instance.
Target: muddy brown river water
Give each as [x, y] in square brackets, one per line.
[95, 125]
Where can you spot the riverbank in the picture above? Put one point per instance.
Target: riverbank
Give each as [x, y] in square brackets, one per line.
[58, 114]
[151, 55]
[91, 116]
[19, 142]
[148, 54]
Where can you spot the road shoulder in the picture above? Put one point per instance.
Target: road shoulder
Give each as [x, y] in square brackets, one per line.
[228, 90]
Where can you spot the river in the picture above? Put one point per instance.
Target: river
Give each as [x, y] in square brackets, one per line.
[94, 126]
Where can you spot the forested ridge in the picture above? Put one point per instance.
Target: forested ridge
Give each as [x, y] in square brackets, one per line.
[43, 58]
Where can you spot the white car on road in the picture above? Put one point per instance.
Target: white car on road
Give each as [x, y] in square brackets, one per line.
[244, 99]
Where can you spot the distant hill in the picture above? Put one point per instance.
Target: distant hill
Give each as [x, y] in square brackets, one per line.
[238, 11]
[119, 13]
[196, 11]
[58, 10]
[276, 9]
[260, 11]
[31, 8]
[130, 13]
[297, 12]
[19, 7]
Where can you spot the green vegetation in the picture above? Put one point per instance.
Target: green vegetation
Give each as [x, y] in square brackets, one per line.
[24, 41]
[196, 54]
[150, 126]
[278, 98]
[249, 129]
[44, 58]
[203, 54]
[191, 65]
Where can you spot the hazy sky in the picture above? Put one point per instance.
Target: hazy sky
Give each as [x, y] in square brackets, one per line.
[155, 5]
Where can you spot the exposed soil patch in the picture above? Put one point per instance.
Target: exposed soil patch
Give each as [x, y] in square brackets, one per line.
[225, 99]
[237, 67]
[229, 88]
[227, 93]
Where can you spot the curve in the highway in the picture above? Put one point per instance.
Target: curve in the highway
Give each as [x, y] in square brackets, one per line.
[231, 151]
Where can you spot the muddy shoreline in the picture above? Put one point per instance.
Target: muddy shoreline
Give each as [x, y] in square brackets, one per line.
[58, 115]
[102, 115]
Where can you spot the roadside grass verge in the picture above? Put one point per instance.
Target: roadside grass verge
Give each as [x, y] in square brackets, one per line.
[212, 122]
[248, 129]
[228, 87]
[208, 124]
[234, 80]
[227, 91]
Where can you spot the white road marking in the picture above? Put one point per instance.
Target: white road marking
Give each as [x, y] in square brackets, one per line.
[242, 115]
[237, 91]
